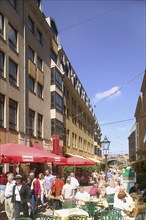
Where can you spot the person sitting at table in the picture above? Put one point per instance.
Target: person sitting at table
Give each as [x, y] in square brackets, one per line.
[94, 191]
[109, 189]
[82, 195]
[134, 189]
[124, 202]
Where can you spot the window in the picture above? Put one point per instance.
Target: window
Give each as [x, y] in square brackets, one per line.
[56, 101]
[30, 24]
[54, 30]
[67, 113]
[1, 63]
[40, 123]
[56, 78]
[1, 25]
[67, 94]
[12, 37]
[30, 54]
[39, 63]
[39, 90]
[12, 114]
[53, 56]
[56, 127]
[39, 36]
[31, 121]
[12, 72]
[13, 3]
[1, 110]
[31, 84]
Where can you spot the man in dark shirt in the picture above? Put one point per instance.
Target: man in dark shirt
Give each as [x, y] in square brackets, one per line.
[134, 189]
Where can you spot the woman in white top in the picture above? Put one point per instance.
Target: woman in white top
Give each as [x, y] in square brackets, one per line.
[43, 187]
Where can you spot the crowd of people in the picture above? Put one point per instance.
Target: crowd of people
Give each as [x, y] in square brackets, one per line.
[24, 195]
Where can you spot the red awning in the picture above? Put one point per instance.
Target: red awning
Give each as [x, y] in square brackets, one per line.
[15, 153]
[79, 161]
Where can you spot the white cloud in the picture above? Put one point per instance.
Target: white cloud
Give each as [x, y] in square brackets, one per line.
[111, 93]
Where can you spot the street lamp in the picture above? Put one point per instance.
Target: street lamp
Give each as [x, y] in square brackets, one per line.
[105, 148]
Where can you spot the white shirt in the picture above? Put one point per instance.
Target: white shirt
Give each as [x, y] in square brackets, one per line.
[126, 204]
[9, 188]
[17, 193]
[42, 182]
[83, 196]
[74, 182]
[109, 190]
[67, 191]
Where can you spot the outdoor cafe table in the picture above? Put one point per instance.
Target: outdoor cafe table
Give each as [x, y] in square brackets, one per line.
[101, 202]
[65, 213]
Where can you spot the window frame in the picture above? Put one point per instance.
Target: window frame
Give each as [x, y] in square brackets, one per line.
[13, 79]
[32, 125]
[13, 105]
[14, 4]
[3, 63]
[2, 29]
[31, 80]
[54, 103]
[2, 110]
[39, 65]
[12, 43]
[40, 128]
[39, 86]
[39, 35]
[33, 54]
[30, 27]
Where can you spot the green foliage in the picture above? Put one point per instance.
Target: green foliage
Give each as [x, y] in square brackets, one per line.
[83, 169]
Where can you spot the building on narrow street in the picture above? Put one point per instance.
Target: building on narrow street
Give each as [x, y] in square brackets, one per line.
[41, 96]
[140, 127]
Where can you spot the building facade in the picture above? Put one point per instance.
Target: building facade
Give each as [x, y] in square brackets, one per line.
[140, 130]
[25, 39]
[132, 144]
[41, 96]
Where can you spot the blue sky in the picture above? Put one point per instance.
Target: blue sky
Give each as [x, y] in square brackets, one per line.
[105, 42]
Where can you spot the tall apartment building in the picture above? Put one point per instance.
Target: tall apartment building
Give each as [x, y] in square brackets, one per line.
[25, 42]
[40, 94]
[80, 123]
[140, 130]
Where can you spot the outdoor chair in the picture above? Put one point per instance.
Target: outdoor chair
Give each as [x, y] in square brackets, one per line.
[111, 215]
[48, 217]
[110, 200]
[90, 208]
[77, 217]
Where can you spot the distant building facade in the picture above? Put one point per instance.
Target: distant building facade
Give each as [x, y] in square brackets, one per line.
[132, 144]
[140, 130]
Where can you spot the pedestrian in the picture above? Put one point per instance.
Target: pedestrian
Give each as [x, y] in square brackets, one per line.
[7, 197]
[29, 182]
[36, 192]
[74, 182]
[43, 187]
[49, 178]
[20, 197]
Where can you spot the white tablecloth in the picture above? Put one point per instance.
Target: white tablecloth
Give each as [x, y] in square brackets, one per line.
[65, 213]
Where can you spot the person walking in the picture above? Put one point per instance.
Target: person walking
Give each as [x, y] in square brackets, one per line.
[20, 197]
[74, 182]
[43, 187]
[49, 178]
[36, 192]
[7, 197]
